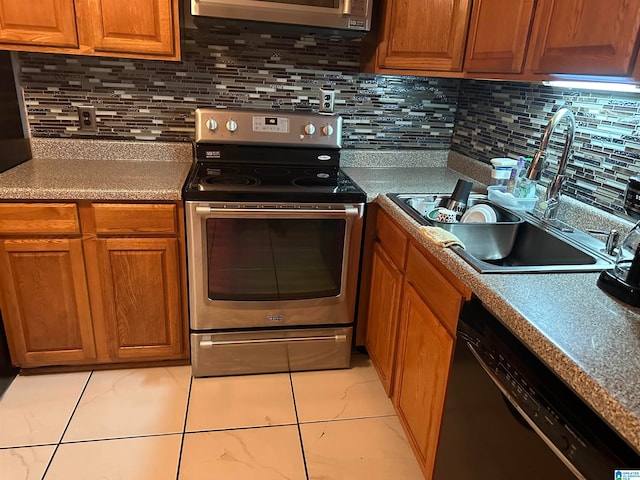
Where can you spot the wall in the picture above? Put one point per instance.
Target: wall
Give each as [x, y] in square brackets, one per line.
[497, 119]
[152, 100]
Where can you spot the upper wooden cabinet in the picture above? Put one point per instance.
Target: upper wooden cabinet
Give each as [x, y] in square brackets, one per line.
[528, 40]
[145, 26]
[498, 35]
[125, 28]
[38, 22]
[585, 37]
[420, 35]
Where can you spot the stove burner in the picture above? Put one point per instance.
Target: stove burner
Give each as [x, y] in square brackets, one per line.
[313, 182]
[235, 180]
[272, 171]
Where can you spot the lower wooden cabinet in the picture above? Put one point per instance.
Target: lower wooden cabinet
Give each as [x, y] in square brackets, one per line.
[46, 309]
[411, 304]
[109, 290]
[384, 308]
[140, 288]
[424, 357]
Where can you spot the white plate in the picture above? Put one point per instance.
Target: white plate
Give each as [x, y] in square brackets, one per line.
[480, 213]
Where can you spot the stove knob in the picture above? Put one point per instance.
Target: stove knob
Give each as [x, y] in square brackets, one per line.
[309, 129]
[327, 130]
[232, 125]
[212, 124]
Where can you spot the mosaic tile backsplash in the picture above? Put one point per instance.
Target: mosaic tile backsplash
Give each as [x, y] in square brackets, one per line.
[153, 100]
[507, 119]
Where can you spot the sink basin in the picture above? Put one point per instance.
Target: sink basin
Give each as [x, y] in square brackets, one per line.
[537, 246]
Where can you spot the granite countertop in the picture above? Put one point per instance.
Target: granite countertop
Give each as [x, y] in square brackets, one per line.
[77, 179]
[590, 340]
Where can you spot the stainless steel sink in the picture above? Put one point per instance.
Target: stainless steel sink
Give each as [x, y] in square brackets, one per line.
[538, 246]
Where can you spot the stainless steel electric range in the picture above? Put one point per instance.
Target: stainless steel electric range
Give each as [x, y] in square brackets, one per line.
[273, 243]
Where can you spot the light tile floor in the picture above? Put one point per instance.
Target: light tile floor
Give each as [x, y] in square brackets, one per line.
[160, 423]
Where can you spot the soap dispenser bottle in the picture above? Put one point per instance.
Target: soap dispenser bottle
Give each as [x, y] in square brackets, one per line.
[623, 282]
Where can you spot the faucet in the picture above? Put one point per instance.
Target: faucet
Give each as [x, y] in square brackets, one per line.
[552, 195]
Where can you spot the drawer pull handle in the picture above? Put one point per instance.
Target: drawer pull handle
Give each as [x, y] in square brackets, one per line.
[218, 343]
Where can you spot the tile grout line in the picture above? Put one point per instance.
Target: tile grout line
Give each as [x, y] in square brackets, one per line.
[73, 412]
[349, 419]
[184, 428]
[295, 409]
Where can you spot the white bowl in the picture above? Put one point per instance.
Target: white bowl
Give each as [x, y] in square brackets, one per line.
[480, 213]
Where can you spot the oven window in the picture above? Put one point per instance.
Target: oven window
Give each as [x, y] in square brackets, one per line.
[279, 259]
[311, 3]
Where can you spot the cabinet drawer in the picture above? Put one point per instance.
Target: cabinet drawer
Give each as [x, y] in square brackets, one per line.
[442, 297]
[38, 218]
[122, 218]
[393, 239]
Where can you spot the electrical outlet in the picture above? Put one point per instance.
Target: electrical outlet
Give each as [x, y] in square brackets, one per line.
[327, 99]
[87, 119]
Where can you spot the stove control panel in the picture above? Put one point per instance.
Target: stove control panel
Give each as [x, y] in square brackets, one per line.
[275, 127]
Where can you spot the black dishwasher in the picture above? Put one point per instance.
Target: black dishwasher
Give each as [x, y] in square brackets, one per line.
[494, 384]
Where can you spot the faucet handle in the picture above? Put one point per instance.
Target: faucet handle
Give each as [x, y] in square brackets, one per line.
[612, 239]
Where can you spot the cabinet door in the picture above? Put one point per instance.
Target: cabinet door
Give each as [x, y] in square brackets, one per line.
[585, 36]
[38, 22]
[140, 286]
[424, 358]
[424, 35]
[384, 306]
[134, 26]
[45, 302]
[498, 35]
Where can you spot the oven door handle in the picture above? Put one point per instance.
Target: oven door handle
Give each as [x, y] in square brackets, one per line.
[322, 338]
[275, 212]
[525, 416]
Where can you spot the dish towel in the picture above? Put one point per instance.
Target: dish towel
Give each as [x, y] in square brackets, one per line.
[441, 237]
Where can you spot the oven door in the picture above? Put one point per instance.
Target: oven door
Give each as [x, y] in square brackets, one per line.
[256, 265]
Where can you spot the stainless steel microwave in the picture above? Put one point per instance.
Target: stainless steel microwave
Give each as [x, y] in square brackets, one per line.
[349, 15]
